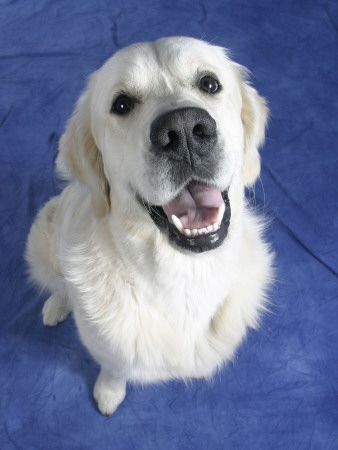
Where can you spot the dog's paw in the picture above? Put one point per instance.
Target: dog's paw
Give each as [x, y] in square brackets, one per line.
[109, 393]
[54, 311]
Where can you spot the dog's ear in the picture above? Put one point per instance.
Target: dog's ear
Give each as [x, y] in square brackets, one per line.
[254, 116]
[80, 158]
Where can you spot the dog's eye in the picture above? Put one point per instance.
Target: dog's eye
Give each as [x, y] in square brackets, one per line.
[122, 105]
[209, 84]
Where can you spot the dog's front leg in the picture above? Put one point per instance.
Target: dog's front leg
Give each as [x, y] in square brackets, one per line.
[109, 392]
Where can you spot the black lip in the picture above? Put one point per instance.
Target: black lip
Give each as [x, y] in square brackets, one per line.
[197, 244]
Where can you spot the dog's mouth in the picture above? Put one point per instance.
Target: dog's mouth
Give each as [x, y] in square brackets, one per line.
[197, 219]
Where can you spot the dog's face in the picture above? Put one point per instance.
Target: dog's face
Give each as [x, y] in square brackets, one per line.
[175, 126]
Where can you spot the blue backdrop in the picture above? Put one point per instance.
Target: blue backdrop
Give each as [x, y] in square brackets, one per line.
[281, 390]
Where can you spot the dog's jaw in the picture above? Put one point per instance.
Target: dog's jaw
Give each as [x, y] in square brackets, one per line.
[197, 241]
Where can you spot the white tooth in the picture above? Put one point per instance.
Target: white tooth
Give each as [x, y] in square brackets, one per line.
[210, 228]
[177, 223]
[187, 232]
[215, 226]
[220, 213]
[194, 232]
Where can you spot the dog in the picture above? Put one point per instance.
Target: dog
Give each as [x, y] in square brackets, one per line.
[152, 244]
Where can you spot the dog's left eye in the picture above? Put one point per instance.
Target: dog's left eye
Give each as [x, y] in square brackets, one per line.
[122, 105]
[209, 84]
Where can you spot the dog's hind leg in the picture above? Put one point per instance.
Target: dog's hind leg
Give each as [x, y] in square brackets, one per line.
[41, 255]
[55, 310]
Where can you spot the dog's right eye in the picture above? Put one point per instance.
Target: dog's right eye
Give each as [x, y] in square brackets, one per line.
[122, 105]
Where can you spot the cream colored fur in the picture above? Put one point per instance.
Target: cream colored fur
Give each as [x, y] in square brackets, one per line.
[145, 309]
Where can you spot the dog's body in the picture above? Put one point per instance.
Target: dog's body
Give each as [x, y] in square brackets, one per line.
[165, 131]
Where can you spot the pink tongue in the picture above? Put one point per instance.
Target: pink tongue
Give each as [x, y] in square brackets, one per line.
[196, 206]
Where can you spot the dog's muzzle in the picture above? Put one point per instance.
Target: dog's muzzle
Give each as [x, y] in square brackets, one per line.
[185, 142]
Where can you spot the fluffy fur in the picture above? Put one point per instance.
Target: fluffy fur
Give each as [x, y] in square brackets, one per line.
[146, 309]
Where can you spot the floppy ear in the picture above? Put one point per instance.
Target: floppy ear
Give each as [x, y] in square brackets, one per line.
[80, 158]
[254, 117]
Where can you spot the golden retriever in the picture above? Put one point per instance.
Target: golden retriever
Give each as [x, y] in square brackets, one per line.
[152, 245]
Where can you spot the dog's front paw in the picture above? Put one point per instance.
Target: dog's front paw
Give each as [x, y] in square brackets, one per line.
[54, 311]
[109, 393]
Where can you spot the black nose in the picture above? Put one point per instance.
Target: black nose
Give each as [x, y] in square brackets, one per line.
[184, 133]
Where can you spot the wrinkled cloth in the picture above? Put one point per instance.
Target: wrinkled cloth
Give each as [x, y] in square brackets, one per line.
[281, 390]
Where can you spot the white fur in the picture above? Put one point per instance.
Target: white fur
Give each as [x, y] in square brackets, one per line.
[145, 309]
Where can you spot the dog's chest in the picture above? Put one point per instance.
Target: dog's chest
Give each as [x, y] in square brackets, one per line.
[182, 291]
[186, 297]
[153, 312]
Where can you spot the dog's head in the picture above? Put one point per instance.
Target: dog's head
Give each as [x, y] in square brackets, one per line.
[175, 127]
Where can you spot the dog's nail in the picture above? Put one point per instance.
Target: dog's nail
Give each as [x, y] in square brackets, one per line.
[177, 223]
[220, 213]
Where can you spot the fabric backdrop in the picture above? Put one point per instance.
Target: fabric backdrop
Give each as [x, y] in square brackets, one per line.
[280, 392]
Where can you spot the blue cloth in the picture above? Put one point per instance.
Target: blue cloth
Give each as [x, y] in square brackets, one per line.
[280, 392]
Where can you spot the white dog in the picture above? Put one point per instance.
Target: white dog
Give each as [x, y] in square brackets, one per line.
[152, 245]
